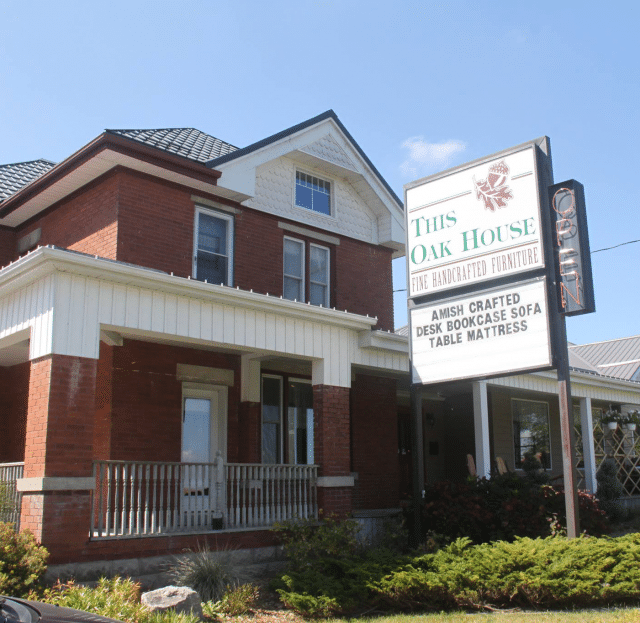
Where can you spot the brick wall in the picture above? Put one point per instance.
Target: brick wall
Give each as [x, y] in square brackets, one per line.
[59, 441]
[14, 391]
[86, 221]
[332, 430]
[143, 220]
[7, 245]
[374, 442]
[364, 283]
[104, 394]
[59, 435]
[155, 224]
[146, 411]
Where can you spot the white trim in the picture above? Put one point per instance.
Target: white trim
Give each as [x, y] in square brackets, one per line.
[55, 483]
[303, 231]
[46, 261]
[327, 285]
[323, 177]
[215, 205]
[218, 421]
[204, 374]
[303, 281]
[336, 481]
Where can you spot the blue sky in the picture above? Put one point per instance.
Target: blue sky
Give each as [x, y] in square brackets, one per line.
[420, 85]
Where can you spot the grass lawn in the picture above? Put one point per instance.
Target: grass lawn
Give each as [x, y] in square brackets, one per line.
[622, 615]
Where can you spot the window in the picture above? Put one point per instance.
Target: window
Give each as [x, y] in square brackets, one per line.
[300, 284]
[271, 419]
[531, 432]
[296, 448]
[213, 257]
[300, 422]
[313, 193]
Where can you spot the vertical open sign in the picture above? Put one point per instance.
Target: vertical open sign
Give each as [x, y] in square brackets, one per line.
[571, 244]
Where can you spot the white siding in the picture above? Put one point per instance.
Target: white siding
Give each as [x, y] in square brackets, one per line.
[275, 191]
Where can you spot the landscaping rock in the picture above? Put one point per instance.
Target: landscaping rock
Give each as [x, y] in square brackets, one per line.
[178, 598]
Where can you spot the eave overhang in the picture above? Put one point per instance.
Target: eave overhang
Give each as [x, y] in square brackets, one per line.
[46, 260]
[97, 158]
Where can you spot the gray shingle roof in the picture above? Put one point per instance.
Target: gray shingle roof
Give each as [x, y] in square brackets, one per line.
[14, 177]
[187, 142]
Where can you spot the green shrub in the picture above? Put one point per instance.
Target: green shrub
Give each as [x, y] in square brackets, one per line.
[554, 573]
[502, 508]
[23, 561]
[117, 598]
[306, 542]
[610, 490]
[209, 573]
[531, 573]
[236, 601]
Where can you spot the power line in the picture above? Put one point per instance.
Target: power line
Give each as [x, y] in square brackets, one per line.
[615, 246]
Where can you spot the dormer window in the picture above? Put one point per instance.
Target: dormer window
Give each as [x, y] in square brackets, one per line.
[313, 193]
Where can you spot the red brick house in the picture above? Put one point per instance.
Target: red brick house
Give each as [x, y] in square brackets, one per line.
[195, 339]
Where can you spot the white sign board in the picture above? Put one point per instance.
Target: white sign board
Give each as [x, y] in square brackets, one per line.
[489, 333]
[474, 224]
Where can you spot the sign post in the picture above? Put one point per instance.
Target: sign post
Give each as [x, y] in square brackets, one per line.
[493, 265]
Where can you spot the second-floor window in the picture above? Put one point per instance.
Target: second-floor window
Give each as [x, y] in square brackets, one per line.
[213, 248]
[306, 272]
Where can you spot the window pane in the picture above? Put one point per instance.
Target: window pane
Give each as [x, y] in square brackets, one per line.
[300, 422]
[318, 295]
[319, 265]
[304, 197]
[531, 432]
[293, 258]
[271, 415]
[313, 193]
[212, 234]
[321, 203]
[196, 430]
[293, 289]
[213, 268]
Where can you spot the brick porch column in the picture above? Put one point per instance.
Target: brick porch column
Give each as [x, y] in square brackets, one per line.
[332, 447]
[58, 454]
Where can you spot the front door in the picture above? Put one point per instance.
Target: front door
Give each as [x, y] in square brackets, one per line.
[203, 451]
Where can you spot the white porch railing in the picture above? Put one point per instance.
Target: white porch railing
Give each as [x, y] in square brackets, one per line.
[10, 498]
[134, 499]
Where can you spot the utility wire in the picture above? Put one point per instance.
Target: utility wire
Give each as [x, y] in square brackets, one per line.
[615, 246]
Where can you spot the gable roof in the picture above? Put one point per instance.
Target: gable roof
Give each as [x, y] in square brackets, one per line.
[616, 358]
[274, 138]
[187, 142]
[14, 177]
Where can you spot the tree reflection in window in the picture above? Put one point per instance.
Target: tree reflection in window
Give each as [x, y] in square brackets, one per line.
[531, 432]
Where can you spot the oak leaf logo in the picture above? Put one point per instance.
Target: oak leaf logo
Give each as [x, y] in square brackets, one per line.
[494, 191]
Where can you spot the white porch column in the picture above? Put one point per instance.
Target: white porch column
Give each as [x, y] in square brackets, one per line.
[481, 428]
[249, 379]
[588, 448]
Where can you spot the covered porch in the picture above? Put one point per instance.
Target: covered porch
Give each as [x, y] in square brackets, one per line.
[143, 405]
